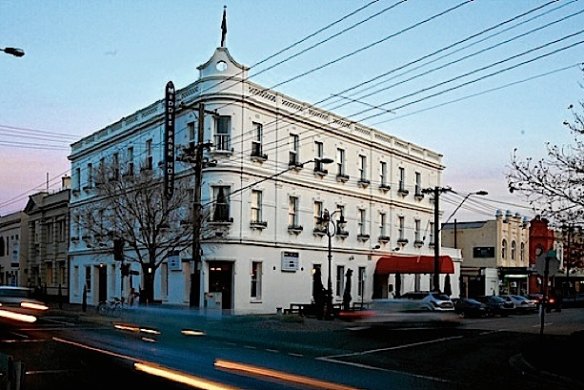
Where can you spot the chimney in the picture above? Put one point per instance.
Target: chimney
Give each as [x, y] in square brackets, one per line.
[66, 182]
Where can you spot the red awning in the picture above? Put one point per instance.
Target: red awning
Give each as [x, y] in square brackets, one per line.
[413, 265]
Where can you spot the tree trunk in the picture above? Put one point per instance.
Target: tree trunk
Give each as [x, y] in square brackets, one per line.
[147, 293]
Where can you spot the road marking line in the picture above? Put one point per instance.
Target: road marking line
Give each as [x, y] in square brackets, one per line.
[396, 347]
[330, 360]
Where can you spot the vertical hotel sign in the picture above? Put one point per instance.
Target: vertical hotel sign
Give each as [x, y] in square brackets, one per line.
[169, 104]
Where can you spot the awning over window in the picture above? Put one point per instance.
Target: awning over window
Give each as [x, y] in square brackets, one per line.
[413, 265]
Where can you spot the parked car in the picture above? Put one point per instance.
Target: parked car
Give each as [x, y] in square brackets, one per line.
[497, 305]
[469, 307]
[522, 304]
[535, 297]
[554, 302]
[18, 304]
[431, 301]
[399, 312]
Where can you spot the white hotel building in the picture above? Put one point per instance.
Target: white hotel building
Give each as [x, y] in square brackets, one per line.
[261, 241]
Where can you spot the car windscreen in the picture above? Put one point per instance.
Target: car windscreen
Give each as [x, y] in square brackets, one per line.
[14, 293]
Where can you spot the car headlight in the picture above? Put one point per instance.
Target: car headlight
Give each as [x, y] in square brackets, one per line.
[33, 305]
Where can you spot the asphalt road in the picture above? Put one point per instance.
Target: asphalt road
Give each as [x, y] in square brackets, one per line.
[477, 353]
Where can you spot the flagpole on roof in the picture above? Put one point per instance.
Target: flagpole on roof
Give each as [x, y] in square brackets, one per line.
[224, 26]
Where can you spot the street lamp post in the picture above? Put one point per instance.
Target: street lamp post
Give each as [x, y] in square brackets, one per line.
[16, 52]
[327, 218]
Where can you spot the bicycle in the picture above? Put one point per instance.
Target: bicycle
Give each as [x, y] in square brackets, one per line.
[112, 307]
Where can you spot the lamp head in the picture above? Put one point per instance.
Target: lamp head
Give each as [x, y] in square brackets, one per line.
[482, 193]
[326, 160]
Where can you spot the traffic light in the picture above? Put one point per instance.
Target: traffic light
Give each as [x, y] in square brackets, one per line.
[118, 249]
[125, 268]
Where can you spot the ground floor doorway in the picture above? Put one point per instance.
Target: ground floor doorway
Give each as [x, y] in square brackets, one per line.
[221, 281]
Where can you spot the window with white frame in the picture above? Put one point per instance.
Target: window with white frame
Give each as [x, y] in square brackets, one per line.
[319, 151]
[115, 174]
[340, 281]
[293, 219]
[221, 204]
[222, 133]
[383, 225]
[88, 278]
[362, 168]
[402, 179]
[294, 149]
[318, 208]
[362, 222]
[401, 227]
[101, 169]
[417, 235]
[257, 140]
[361, 282]
[256, 280]
[89, 175]
[340, 162]
[130, 161]
[431, 233]
[256, 206]
[383, 173]
[148, 161]
[191, 133]
[341, 230]
[418, 190]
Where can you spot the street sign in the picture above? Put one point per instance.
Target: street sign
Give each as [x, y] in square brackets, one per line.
[553, 263]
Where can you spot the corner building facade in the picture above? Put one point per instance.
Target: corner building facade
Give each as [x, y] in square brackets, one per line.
[264, 187]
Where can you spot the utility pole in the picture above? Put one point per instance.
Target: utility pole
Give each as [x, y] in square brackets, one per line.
[436, 191]
[194, 155]
[196, 276]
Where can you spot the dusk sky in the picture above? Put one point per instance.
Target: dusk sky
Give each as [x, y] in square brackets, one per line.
[471, 80]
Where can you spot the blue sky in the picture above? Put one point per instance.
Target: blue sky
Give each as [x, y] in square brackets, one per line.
[89, 63]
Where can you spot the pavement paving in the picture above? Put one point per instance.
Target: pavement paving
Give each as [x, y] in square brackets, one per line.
[553, 357]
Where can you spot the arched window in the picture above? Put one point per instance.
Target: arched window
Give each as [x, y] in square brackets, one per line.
[504, 249]
[513, 249]
[522, 252]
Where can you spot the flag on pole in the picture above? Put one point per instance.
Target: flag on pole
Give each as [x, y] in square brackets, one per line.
[224, 26]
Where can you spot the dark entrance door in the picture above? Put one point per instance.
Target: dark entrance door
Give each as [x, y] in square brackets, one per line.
[380, 285]
[102, 283]
[221, 280]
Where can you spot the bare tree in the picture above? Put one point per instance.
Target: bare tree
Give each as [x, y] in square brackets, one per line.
[554, 185]
[133, 208]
